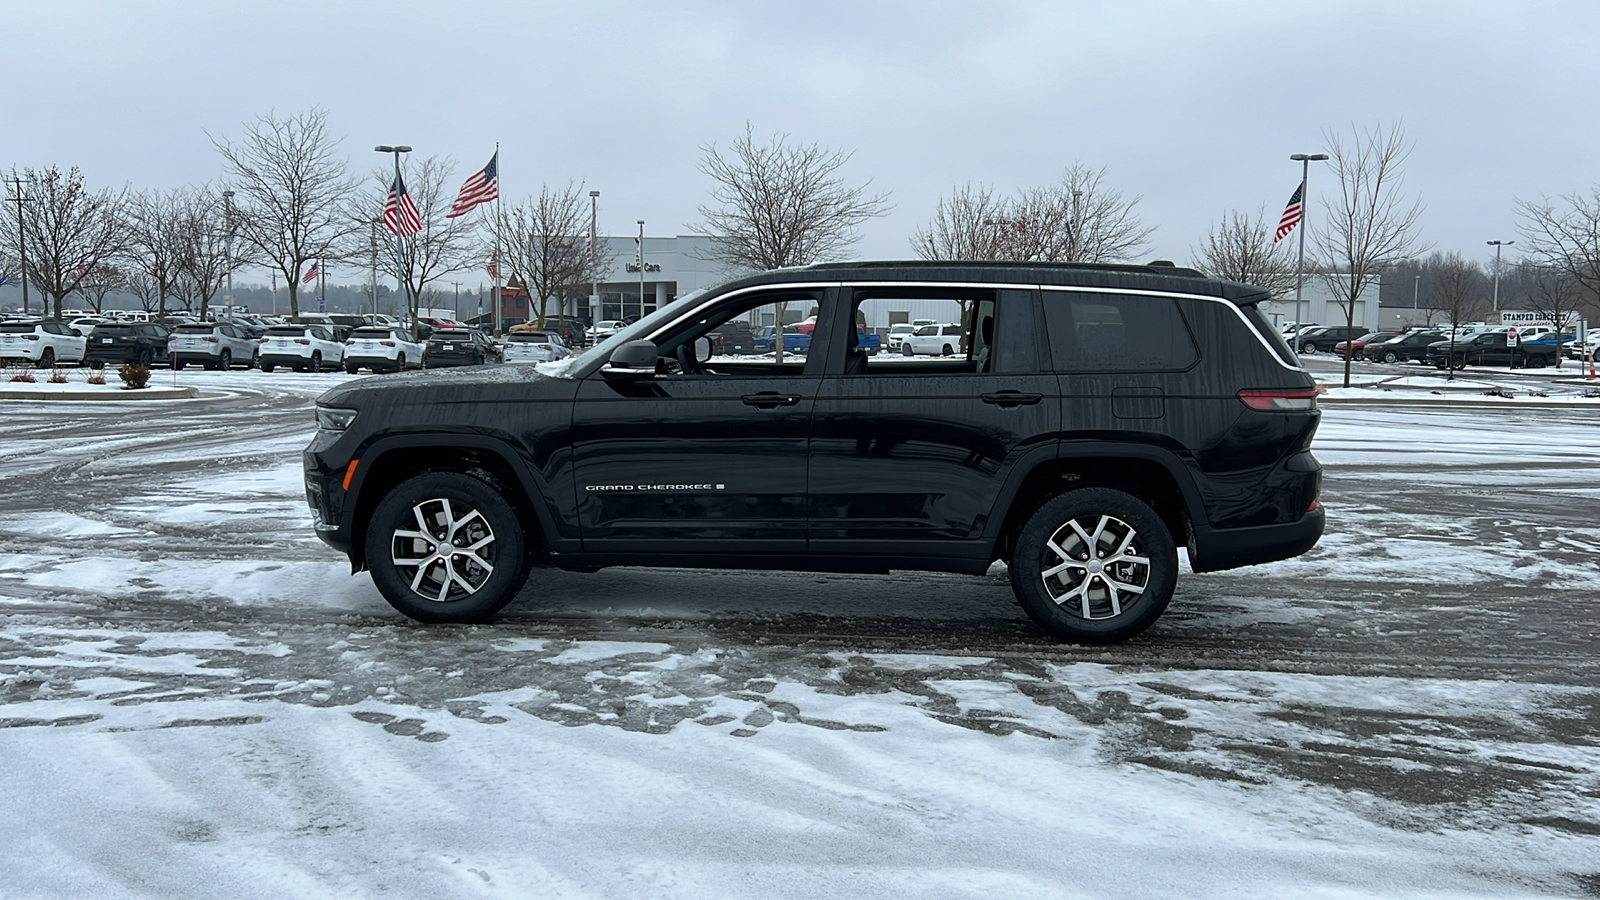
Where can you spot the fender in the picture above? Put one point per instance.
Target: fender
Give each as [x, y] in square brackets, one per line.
[540, 495]
[1068, 449]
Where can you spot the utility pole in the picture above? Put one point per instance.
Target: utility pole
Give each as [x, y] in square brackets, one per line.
[22, 239]
[1497, 245]
[227, 213]
[594, 259]
[373, 239]
[322, 285]
[458, 299]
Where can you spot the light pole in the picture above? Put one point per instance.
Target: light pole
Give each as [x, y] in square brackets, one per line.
[1304, 159]
[594, 257]
[641, 270]
[22, 239]
[1497, 245]
[227, 245]
[373, 240]
[400, 241]
[1416, 291]
[458, 299]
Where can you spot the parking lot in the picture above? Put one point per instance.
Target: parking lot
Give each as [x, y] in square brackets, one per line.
[1411, 707]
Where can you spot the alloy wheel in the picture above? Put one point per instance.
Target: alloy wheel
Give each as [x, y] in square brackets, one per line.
[1094, 568]
[449, 555]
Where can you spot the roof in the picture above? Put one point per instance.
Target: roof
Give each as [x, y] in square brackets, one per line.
[1152, 277]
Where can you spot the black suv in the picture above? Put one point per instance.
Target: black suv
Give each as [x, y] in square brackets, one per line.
[1096, 418]
[127, 342]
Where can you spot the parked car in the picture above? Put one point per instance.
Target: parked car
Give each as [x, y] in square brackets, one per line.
[44, 343]
[898, 333]
[127, 342]
[793, 341]
[1323, 339]
[1491, 348]
[85, 325]
[458, 347]
[301, 347]
[933, 340]
[733, 339]
[535, 346]
[606, 328]
[215, 345]
[1352, 347]
[381, 350]
[383, 321]
[1582, 351]
[1191, 426]
[1412, 346]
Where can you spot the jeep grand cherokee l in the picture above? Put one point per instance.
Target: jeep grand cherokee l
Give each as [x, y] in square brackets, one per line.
[1096, 418]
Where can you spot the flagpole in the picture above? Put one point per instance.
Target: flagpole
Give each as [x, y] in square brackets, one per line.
[322, 285]
[641, 269]
[497, 225]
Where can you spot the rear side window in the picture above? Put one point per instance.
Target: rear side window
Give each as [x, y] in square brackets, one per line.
[1116, 333]
[1272, 336]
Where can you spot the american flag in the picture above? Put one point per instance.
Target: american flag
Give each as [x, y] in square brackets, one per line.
[400, 215]
[1292, 213]
[481, 187]
[494, 268]
[311, 275]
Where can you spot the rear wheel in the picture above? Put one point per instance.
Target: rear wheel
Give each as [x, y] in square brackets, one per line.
[316, 360]
[446, 547]
[1095, 566]
[947, 350]
[225, 362]
[351, 368]
[1389, 356]
[47, 358]
[267, 367]
[145, 358]
[400, 363]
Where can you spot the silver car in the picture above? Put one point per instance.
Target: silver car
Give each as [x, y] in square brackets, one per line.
[214, 345]
[535, 346]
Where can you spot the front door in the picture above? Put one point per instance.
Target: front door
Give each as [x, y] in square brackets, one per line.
[706, 457]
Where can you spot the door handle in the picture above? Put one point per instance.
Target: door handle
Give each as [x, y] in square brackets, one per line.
[1012, 398]
[770, 399]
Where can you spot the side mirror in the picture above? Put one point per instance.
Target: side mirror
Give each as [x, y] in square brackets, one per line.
[702, 348]
[631, 361]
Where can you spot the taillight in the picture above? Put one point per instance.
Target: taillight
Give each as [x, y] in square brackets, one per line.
[301, 341]
[31, 337]
[387, 343]
[209, 340]
[1297, 400]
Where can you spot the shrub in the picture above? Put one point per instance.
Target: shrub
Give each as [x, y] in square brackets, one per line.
[57, 377]
[96, 377]
[134, 376]
[25, 377]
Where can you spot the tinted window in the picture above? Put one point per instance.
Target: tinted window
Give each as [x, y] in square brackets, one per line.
[194, 329]
[286, 331]
[1116, 333]
[372, 333]
[17, 327]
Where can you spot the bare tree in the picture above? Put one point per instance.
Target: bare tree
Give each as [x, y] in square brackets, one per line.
[1458, 291]
[444, 245]
[1555, 294]
[543, 245]
[1241, 248]
[1371, 223]
[1564, 235]
[100, 282]
[965, 226]
[292, 186]
[781, 204]
[145, 289]
[152, 246]
[69, 230]
[1077, 219]
[201, 244]
[10, 269]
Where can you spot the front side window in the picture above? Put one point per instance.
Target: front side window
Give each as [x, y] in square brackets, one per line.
[1117, 333]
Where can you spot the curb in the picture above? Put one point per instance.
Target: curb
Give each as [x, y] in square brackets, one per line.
[181, 393]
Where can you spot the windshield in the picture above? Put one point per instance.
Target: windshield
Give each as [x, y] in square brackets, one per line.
[639, 329]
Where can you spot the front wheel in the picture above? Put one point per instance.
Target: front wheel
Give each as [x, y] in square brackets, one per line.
[446, 547]
[1389, 356]
[1094, 566]
[905, 350]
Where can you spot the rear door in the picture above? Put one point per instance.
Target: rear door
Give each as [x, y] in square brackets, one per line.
[909, 455]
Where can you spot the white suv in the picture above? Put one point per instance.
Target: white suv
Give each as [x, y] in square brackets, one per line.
[933, 340]
[381, 350]
[212, 345]
[43, 343]
[301, 347]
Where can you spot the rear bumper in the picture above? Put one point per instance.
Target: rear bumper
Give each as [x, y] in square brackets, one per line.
[1214, 549]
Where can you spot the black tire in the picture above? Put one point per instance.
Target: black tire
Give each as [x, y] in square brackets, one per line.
[225, 362]
[316, 360]
[351, 369]
[97, 364]
[1535, 362]
[175, 363]
[268, 367]
[946, 350]
[47, 358]
[255, 359]
[395, 519]
[1458, 364]
[145, 358]
[1389, 356]
[905, 350]
[1118, 521]
[400, 362]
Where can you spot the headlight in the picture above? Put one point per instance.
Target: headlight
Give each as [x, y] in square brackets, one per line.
[330, 419]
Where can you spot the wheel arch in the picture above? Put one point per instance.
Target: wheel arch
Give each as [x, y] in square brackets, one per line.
[1153, 474]
[387, 462]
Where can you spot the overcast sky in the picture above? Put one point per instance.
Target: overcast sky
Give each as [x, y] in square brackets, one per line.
[1195, 106]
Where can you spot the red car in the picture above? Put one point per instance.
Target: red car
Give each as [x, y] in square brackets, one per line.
[1346, 348]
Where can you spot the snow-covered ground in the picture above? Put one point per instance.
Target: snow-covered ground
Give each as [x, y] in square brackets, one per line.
[198, 700]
